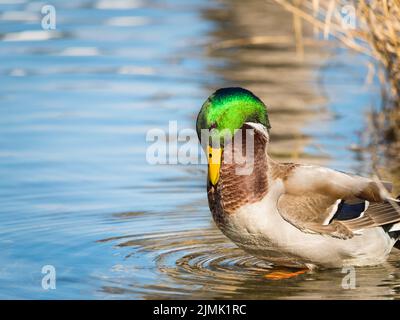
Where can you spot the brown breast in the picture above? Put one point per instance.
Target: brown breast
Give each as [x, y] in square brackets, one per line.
[240, 183]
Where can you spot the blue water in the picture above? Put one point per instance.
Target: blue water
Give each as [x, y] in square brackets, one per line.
[76, 191]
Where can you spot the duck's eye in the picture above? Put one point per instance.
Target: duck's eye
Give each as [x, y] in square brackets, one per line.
[210, 155]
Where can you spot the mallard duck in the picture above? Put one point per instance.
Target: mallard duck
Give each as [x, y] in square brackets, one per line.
[291, 214]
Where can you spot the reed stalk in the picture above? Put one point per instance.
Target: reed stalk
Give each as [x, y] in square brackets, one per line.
[372, 28]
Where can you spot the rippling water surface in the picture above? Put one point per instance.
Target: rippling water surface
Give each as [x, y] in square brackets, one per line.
[76, 191]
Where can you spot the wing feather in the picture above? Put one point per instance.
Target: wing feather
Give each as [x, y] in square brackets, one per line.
[377, 214]
[324, 212]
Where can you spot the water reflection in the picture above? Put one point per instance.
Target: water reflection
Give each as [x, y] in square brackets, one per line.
[190, 267]
[76, 190]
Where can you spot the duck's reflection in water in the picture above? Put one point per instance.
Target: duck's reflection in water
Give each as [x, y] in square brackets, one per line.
[203, 264]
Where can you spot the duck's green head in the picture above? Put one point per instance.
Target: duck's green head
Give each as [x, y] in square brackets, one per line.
[228, 109]
[225, 111]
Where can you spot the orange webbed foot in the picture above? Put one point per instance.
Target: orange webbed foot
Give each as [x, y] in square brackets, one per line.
[285, 274]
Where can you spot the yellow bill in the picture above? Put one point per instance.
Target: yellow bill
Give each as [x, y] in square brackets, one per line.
[214, 163]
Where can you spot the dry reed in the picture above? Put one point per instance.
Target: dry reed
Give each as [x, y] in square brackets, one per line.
[370, 27]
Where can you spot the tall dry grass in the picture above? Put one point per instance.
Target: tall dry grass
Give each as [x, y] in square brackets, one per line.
[370, 27]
